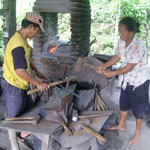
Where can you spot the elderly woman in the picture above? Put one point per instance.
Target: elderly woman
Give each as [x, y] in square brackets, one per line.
[133, 74]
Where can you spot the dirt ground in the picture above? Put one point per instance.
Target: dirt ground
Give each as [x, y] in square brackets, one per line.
[111, 97]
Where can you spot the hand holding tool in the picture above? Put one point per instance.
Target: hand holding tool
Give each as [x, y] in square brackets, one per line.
[51, 84]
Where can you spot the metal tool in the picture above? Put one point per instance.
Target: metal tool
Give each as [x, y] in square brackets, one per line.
[64, 89]
[61, 121]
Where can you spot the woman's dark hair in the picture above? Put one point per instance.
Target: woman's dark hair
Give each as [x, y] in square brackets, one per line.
[25, 23]
[130, 24]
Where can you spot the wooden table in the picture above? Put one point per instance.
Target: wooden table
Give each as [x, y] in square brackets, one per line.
[44, 128]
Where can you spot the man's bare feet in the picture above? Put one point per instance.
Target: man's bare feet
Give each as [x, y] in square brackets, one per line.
[135, 140]
[117, 127]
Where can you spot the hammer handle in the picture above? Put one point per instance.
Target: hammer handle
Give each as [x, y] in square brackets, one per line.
[51, 84]
[91, 131]
[34, 121]
[19, 118]
[89, 66]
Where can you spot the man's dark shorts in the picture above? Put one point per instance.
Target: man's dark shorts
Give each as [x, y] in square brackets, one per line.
[17, 100]
[137, 100]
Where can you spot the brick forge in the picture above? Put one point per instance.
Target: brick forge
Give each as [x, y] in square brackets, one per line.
[80, 25]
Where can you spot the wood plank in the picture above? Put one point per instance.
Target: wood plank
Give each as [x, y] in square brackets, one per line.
[43, 128]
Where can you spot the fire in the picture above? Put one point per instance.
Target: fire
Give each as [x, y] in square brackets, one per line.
[52, 50]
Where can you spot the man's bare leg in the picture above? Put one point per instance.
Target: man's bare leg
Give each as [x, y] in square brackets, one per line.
[121, 125]
[136, 139]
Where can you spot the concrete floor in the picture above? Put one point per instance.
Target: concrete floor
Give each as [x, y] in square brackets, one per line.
[111, 98]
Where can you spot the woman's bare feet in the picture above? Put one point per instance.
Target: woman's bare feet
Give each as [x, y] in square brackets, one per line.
[117, 127]
[135, 140]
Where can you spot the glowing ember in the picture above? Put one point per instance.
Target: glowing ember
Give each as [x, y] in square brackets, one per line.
[52, 50]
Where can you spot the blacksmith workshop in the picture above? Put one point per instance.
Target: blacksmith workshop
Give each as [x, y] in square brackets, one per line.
[74, 74]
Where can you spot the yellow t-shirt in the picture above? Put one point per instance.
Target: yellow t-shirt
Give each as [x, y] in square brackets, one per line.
[8, 66]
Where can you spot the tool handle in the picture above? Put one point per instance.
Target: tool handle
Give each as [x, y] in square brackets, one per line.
[34, 122]
[51, 84]
[89, 66]
[19, 118]
[95, 115]
[91, 131]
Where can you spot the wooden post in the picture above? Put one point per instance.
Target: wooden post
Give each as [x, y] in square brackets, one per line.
[45, 142]
[13, 140]
[9, 19]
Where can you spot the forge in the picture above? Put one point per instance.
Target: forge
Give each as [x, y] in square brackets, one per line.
[66, 52]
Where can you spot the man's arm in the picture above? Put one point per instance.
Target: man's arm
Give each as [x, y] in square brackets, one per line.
[22, 73]
[38, 73]
[20, 65]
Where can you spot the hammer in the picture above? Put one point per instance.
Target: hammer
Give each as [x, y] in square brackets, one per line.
[83, 125]
[32, 120]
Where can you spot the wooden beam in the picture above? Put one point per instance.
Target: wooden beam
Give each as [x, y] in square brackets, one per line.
[9, 15]
[13, 140]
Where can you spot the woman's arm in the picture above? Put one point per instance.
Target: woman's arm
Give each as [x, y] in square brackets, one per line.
[129, 67]
[111, 62]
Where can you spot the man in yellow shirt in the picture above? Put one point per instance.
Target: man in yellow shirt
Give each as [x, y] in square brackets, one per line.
[17, 62]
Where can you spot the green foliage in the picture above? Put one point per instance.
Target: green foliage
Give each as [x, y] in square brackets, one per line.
[64, 26]
[1, 44]
[104, 13]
